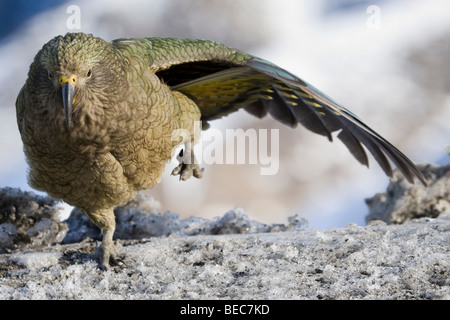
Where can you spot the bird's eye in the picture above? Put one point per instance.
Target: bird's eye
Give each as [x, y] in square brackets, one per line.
[89, 73]
[49, 74]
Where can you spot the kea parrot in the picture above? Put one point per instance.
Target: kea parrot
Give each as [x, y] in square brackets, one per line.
[97, 118]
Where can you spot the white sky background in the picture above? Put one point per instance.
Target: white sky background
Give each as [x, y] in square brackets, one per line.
[357, 66]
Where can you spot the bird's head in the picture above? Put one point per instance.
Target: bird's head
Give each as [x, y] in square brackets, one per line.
[76, 70]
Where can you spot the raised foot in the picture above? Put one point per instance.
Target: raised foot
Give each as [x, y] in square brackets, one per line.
[187, 170]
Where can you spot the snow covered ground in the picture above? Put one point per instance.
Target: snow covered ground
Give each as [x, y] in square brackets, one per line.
[387, 66]
[408, 261]
[231, 257]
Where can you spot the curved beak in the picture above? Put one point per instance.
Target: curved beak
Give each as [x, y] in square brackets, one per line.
[68, 90]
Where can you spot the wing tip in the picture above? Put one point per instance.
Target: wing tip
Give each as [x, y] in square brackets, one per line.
[419, 175]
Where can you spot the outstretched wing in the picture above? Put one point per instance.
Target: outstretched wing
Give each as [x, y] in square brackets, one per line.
[222, 80]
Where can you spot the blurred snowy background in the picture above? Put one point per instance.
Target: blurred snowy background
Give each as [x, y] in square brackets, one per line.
[389, 64]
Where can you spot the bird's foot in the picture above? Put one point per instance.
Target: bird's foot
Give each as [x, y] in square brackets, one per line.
[186, 169]
[110, 255]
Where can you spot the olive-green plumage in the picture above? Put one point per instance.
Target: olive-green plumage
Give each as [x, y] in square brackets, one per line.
[96, 117]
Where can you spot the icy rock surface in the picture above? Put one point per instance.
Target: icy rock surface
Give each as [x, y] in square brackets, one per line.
[230, 257]
[28, 221]
[409, 261]
[402, 202]
[141, 218]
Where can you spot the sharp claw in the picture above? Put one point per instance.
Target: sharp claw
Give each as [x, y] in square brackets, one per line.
[198, 172]
[186, 174]
[188, 170]
[177, 170]
[117, 261]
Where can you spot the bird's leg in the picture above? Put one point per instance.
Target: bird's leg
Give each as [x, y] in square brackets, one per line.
[109, 252]
[188, 166]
